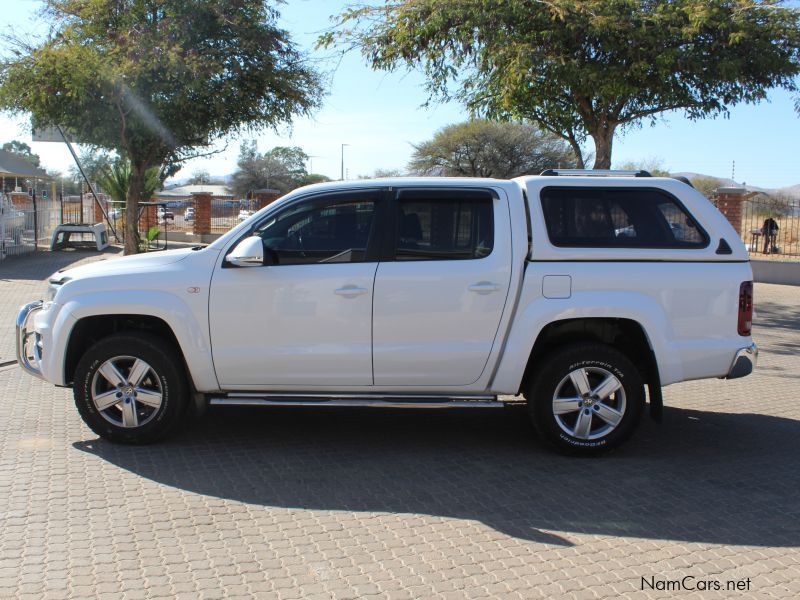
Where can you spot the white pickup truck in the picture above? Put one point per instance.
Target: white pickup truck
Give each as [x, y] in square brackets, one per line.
[573, 290]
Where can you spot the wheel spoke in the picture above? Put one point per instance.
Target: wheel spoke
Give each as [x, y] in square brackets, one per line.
[583, 425]
[106, 400]
[563, 406]
[148, 397]
[608, 414]
[581, 382]
[129, 416]
[138, 372]
[112, 375]
[609, 385]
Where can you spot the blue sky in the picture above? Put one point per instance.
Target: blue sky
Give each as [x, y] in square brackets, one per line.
[379, 115]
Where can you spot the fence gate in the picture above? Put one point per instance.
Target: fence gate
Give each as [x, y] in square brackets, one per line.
[17, 228]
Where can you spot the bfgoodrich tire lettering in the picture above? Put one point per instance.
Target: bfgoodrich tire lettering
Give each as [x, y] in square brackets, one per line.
[129, 388]
[586, 398]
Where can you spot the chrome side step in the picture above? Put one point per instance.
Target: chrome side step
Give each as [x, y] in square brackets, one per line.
[357, 400]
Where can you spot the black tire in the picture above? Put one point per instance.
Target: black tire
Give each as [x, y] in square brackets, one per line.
[552, 383]
[166, 378]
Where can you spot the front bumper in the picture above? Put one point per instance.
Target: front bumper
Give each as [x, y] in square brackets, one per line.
[744, 362]
[29, 343]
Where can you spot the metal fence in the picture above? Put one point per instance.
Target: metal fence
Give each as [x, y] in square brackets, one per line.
[771, 227]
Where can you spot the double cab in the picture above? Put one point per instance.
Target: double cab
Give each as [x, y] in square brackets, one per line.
[580, 293]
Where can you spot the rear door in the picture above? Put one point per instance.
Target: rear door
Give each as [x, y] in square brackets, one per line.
[441, 288]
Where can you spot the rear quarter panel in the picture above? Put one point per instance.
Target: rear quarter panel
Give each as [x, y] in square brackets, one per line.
[685, 300]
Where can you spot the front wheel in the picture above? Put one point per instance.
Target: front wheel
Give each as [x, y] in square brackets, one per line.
[129, 388]
[586, 398]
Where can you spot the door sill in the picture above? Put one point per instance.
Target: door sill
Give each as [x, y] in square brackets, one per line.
[356, 400]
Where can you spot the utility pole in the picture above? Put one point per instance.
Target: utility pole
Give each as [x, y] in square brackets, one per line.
[342, 176]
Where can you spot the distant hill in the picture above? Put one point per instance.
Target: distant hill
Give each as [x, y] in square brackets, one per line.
[792, 191]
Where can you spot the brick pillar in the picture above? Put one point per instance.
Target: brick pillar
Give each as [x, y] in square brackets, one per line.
[202, 213]
[262, 198]
[98, 214]
[729, 202]
[148, 218]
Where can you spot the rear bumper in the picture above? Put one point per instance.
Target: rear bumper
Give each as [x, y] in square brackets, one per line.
[744, 362]
[29, 355]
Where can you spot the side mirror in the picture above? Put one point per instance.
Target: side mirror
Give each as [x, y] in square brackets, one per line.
[247, 253]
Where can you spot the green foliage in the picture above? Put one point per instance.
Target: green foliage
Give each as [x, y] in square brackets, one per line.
[116, 181]
[706, 185]
[155, 79]
[654, 166]
[583, 68]
[22, 150]
[482, 148]
[282, 168]
[94, 161]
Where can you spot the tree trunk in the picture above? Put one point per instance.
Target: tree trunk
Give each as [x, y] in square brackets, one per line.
[603, 140]
[135, 187]
[576, 149]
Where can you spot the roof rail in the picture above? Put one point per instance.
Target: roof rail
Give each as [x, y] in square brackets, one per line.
[596, 173]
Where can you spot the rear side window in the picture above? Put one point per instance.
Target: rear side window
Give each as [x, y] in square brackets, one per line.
[444, 225]
[618, 218]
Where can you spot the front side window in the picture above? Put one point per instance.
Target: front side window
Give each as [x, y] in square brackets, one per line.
[331, 229]
[448, 225]
[618, 218]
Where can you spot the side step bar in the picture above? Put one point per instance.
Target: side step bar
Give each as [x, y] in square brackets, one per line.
[359, 400]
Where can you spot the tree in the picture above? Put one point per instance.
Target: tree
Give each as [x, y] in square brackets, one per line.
[22, 150]
[706, 185]
[155, 80]
[116, 181]
[200, 176]
[95, 162]
[282, 168]
[481, 148]
[654, 166]
[583, 68]
[378, 173]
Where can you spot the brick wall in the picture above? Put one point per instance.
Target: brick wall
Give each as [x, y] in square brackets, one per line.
[262, 198]
[148, 218]
[729, 202]
[202, 213]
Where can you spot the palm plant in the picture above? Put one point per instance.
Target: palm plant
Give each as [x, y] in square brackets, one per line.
[116, 182]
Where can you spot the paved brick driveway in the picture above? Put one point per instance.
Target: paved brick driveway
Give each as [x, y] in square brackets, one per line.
[359, 504]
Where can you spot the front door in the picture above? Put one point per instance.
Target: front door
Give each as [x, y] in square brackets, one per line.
[305, 318]
[440, 296]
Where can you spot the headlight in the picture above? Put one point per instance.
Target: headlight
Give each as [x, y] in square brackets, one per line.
[53, 285]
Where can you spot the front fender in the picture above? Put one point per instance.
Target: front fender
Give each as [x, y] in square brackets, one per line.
[190, 331]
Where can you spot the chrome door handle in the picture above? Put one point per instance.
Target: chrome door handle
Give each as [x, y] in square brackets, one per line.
[484, 287]
[350, 291]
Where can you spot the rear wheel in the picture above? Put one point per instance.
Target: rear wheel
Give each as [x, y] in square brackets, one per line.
[129, 388]
[586, 398]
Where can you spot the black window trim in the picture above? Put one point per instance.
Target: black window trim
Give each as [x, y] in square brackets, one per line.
[373, 250]
[642, 246]
[390, 222]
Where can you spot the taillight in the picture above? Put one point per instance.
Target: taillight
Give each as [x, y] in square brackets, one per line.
[745, 324]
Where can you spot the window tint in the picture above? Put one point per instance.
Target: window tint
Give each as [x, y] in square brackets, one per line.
[446, 225]
[618, 218]
[331, 230]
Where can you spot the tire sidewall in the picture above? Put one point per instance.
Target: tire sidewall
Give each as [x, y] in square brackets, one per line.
[169, 376]
[559, 367]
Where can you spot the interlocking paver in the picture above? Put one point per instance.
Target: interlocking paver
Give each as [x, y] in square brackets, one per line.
[359, 504]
